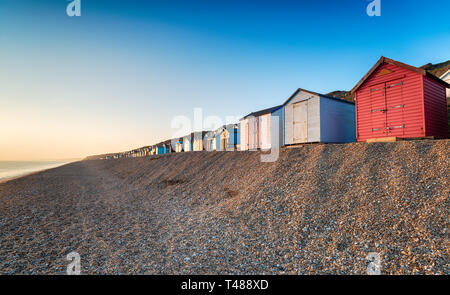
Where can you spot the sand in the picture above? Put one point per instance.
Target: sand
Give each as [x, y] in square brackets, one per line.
[320, 209]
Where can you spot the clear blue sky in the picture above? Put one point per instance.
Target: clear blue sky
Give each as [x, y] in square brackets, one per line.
[113, 79]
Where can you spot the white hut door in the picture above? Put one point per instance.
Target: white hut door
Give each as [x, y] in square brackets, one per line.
[247, 136]
[254, 133]
[300, 127]
[264, 132]
[250, 133]
[261, 132]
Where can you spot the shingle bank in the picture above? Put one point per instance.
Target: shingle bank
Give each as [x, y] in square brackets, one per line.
[319, 209]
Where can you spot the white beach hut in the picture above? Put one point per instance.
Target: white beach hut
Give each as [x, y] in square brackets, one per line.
[313, 117]
[262, 130]
[188, 143]
[199, 140]
[178, 143]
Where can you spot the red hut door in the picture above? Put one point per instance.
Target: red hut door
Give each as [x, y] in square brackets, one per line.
[387, 115]
[378, 110]
[395, 108]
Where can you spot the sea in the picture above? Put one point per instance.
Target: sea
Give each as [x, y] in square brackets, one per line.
[13, 169]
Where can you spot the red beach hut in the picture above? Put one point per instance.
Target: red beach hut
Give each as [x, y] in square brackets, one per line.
[396, 100]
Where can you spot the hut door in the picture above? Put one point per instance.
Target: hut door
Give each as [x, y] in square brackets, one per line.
[378, 110]
[254, 142]
[300, 120]
[247, 135]
[264, 132]
[395, 108]
[251, 133]
[224, 141]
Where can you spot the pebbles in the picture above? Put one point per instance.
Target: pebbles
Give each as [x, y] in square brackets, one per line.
[320, 209]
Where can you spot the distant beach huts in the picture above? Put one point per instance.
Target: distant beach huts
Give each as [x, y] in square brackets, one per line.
[225, 138]
[312, 117]
[396, 100]
[262, 129]
[163, 147]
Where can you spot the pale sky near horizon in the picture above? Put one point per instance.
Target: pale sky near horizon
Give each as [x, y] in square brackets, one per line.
[113, 79]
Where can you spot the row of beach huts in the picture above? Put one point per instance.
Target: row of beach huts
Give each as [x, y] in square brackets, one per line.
[392, 101]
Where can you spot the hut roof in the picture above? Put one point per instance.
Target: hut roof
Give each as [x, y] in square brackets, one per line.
[263, 112]
[383, 60]
[315, 93]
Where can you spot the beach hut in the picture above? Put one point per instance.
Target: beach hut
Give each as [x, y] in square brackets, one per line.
[313, 117]
[169, 147]
[179, 147]
[199, 140]
[210, 141]
[214, 138]
[228, 138]
[160, 149]
[446, 78]
[188, 143]
[396, 100]
[262, 130]
[223, 138]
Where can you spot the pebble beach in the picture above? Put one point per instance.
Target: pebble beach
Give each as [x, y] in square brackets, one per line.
[318, 209]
